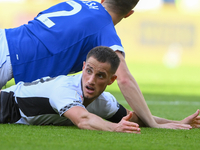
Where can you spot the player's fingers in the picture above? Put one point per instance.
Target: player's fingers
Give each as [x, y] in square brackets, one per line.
[185, 126]
[195, 126]
[131, 129]
[133, 124]
[196, 121]
[198, 110]
[197, 118]
[194, 115]
[127, 117]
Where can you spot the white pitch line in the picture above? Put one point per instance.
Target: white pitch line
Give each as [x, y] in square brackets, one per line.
[166, 102]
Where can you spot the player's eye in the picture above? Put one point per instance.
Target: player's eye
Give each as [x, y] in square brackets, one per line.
[100, 76]
[89, 71]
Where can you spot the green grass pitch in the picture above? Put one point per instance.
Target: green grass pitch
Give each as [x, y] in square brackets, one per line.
[169, 93]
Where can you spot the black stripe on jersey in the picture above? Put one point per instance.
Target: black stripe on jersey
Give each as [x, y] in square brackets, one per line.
[117, 117]
[34, 106]
[9, 110]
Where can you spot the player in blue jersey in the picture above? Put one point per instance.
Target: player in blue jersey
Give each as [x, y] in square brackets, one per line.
[57, 41]
[79, 100]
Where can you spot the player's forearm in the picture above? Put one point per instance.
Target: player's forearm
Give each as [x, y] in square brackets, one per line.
[163, 121]
[137, 103]
[158, 120]
[187, 123]
[86, 120]
[93, 122]
[132, 93]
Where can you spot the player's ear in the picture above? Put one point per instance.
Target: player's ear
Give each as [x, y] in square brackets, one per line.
[113, 78]
[130, 13]
[83, 65]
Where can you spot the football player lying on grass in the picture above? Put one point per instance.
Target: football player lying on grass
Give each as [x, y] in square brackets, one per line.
[78, 100]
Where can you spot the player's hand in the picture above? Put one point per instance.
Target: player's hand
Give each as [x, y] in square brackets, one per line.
[126, 126]
[193, 120]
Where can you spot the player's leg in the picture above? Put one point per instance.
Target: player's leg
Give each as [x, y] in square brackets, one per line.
[5, 63]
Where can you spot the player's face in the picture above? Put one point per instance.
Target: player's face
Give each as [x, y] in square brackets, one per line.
[96, 76]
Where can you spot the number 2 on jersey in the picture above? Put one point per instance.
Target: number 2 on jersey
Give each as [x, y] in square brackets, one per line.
[44, 18]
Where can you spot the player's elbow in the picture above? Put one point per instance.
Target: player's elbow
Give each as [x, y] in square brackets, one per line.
[123, 81]
[83, 122]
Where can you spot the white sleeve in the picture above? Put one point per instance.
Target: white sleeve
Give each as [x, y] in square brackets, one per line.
[118, 48]
[104, 106]
[64, 99]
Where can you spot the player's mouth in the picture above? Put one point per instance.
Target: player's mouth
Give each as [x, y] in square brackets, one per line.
[89, 89]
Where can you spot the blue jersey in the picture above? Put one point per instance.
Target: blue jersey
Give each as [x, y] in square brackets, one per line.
[57, 41]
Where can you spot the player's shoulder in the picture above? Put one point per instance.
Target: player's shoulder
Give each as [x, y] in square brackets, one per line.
[106, 100]
[107, 97]
[67, 88]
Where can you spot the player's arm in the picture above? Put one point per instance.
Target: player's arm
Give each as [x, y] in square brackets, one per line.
[135, 99]
[132, 93]
[86, 120]
[192, 121]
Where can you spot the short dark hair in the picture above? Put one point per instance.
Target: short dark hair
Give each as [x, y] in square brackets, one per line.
[105, 54]
[122, 7]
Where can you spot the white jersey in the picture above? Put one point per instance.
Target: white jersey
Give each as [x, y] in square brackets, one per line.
[44, 101]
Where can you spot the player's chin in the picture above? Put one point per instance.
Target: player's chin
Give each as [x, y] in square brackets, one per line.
[90, 97]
